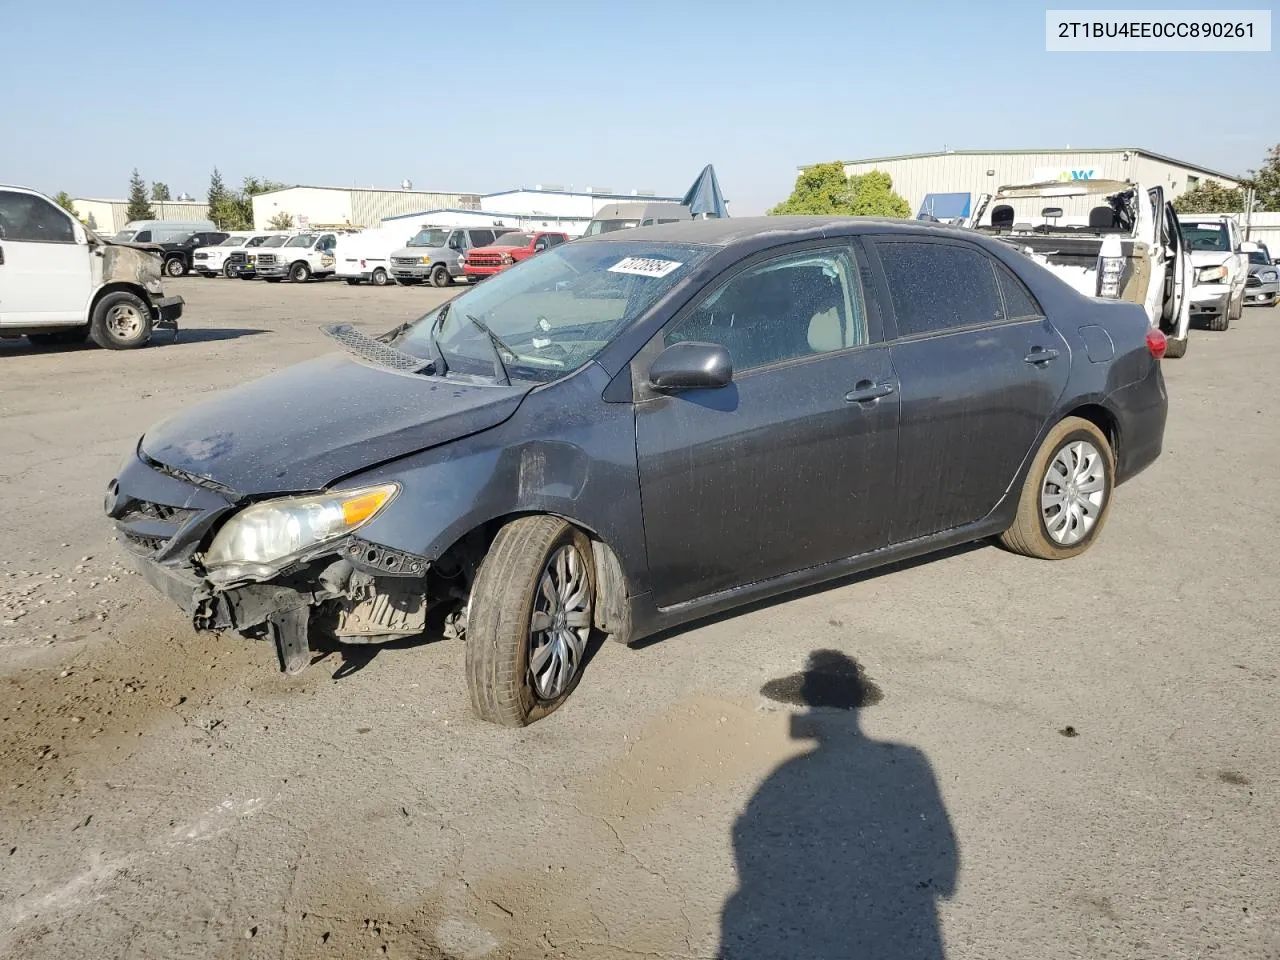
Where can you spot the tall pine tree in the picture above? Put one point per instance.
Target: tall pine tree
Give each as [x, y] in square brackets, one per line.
[139, 206]
[217, 199]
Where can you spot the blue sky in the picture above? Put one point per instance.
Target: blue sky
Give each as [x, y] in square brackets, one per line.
[489, 94]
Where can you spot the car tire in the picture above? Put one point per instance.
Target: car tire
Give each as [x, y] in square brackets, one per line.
[1051, 531]
[61, 338]
[538, 569]
[1220, 321]
[229, 271]
[300, 272]
[379, 278]
[1175, 349]
[440, 276]
[121, 321]
[174, 267]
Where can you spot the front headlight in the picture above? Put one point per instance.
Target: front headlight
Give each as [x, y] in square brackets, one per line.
[1269, 276]
[1211, 274]
[254, 541]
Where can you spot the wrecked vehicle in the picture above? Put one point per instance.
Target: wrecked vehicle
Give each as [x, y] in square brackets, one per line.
[1106, 238]
[632, 431]
[1220, 258]
[61, 283]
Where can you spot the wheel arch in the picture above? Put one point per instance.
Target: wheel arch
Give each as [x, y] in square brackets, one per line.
[1101, 417]
[120, 286]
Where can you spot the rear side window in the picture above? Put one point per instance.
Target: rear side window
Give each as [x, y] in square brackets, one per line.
[1018, 303]
[939, 286]
[481, 238]
[24, 217]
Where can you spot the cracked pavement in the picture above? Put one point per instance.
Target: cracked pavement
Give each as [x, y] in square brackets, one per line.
[166, 794]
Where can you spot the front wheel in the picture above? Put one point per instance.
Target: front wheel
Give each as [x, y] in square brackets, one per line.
[229, 270]
[300, 272]
[121, 321]
[1177, 348]
[529, 620]
[1067, 494]
[174, 267]
[440, 276]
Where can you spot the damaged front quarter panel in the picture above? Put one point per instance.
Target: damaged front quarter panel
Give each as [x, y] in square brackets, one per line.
[121, 264]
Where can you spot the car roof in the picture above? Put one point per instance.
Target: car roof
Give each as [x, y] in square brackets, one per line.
[734, 230]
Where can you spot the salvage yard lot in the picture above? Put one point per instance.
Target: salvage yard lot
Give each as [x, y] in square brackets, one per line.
[1102, 734]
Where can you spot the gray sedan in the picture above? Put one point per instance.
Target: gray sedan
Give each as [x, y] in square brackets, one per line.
[633, 431]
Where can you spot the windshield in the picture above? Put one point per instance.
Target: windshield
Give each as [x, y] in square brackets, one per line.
[430, 237]
[1257, 256]
[597, 227]
[274, 241]
[1206, 236]
[557, 311]
[513, 240]
[302, 240]
[232, 242]
[124, 236]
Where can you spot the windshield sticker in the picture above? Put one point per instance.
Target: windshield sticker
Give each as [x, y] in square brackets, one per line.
[645, 266]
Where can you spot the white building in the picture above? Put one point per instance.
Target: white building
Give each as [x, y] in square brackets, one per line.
[108, 217]
[975, 172]
[315, 207]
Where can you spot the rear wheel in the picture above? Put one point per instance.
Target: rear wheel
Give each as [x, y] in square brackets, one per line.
[379, 277]
[1067, 494]
[121, 321]
[529, 620]
[440, 276]
[300, 272]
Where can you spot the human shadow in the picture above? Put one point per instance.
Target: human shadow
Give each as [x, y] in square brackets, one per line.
[843, 852]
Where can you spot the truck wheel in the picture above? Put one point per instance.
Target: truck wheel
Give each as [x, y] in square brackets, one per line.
[229, 270]
[121, 321]
[175, 267]
[1067, 494]
[61, 338]
[528, 620]
[1177, 348]
[299, 272]
[380, 278]
[440, 276]
[1220, 321]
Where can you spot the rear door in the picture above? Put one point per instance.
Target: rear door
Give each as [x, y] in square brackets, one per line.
[981, 371]
[45, 275]
[791, 464]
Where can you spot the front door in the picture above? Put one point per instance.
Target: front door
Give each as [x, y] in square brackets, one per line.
[790, 465]
[45, 276]
[981, 371]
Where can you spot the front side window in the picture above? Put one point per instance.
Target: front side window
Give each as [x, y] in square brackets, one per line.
[939, 286]
[795, 306]
[34, 219]
[556, 312]
[142, 236]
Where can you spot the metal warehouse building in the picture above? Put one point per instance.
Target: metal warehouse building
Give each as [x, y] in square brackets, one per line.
[975, 172]
[350, 206]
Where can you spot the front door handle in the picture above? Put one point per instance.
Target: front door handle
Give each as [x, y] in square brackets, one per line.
[868, 391]
[1040, 355]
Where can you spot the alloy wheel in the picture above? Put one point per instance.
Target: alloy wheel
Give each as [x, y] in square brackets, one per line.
[561, 623]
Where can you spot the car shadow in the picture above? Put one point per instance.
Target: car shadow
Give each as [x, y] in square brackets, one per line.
[818, 588]
[162, 338]
[844, 850]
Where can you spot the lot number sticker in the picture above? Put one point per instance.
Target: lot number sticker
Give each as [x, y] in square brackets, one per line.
[645, 266]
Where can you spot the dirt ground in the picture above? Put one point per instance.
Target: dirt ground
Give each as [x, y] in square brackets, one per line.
[1050, 760]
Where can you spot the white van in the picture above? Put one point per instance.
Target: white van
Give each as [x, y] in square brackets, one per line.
[62, 283]
[161, 231]
[366, 256]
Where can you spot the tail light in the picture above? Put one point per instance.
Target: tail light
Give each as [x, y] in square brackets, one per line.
[1157, 343]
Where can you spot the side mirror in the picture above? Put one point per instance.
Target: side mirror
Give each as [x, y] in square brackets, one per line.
[1248, 247]
[691, 365]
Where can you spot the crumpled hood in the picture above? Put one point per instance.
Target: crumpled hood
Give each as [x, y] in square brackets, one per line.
[1209, 258]
[308, 425]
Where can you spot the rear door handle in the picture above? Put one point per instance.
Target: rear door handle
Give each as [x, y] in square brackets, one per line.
[867, 391]
[1041, 355]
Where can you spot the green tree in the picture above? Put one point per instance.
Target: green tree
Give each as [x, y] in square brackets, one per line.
[139, 206]
[281, 221]
[160, 191]
[217, 198]
[63, 199]
[824, 189]
[1210, 197]
[1266, 182]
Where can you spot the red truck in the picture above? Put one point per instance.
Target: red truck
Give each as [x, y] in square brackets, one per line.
[509, 248]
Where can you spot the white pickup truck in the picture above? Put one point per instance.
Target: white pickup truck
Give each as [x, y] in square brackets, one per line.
[212, 261]
[1221, 260]
[302, 257]
[1106, 238]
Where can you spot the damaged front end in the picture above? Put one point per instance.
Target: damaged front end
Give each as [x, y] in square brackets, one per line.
[272, 568]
